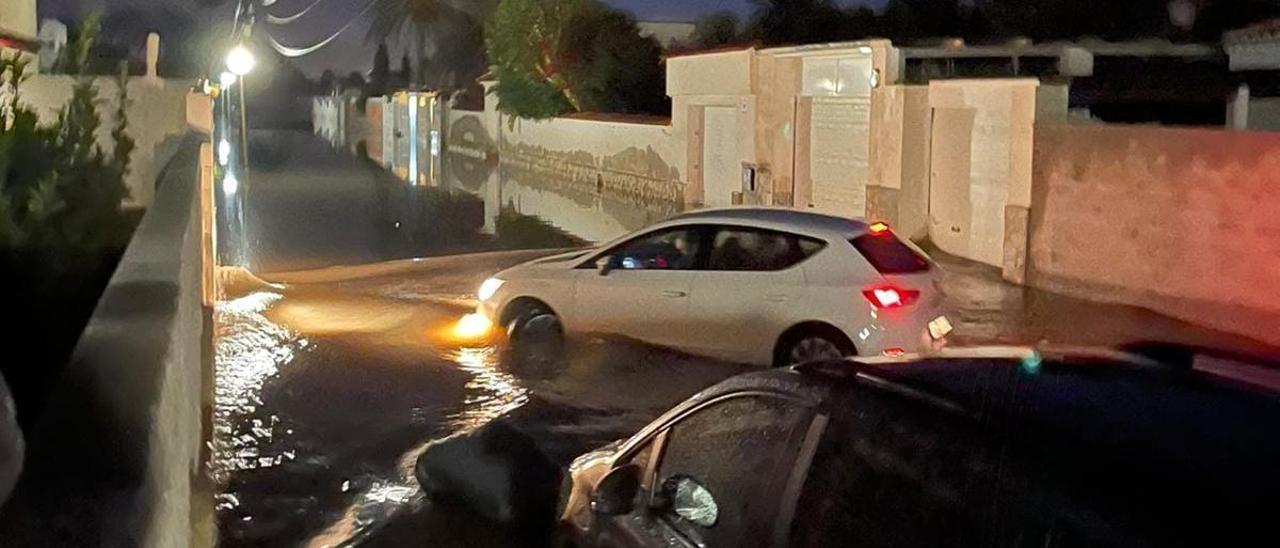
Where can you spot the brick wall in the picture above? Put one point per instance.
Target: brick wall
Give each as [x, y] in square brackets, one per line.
[1185, 221]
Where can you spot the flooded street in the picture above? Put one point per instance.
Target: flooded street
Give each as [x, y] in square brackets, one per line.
[331, 379]
[328, 391]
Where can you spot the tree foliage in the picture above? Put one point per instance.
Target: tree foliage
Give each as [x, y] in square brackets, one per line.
[444, 36]
[380, 76]
[60, 193]
[716, 30]
[552, 57]
[987, 21]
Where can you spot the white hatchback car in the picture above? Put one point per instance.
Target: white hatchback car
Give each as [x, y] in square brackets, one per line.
[763, 286]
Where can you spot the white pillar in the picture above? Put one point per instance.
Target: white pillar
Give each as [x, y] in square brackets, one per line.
[153, 55]
[1238, 109]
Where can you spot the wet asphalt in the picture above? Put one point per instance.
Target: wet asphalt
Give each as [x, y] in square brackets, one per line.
[337, 363]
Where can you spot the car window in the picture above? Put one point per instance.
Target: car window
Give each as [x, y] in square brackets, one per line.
[738, 248]
[895, 474]
[671, 249]
[723, 467]
[888, 255]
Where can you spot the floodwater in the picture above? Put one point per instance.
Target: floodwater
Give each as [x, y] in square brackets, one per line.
[331, 380]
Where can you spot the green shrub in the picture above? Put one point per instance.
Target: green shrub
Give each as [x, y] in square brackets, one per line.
[62, 227]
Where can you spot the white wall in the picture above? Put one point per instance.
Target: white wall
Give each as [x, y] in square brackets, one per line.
[326, 119]
[157, 121]
[597, 138]
[998, 167]
[721, 73]
[18, 17]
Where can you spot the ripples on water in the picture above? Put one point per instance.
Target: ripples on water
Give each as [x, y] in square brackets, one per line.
[249, 350]
[489, 394]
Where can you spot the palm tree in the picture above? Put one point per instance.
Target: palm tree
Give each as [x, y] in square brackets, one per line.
[431, 26]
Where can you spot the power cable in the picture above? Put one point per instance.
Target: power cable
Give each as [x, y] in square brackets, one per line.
[293, 52]
[286, 20]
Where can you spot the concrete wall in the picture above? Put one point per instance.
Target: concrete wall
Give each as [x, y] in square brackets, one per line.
[327, 119]
[1264, 114]
[898, 183]
[1181, 220]
[718, 73]
[116, 459]
[981, 165]
[628, 164]
[157, 121]
[18, 17]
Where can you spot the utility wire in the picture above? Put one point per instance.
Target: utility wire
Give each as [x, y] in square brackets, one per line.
[294, 52]
[286, 20]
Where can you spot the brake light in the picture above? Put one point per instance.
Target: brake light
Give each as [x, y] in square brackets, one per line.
[878, 229]
[887, 296]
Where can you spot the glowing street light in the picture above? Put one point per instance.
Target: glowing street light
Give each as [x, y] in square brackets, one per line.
[240, 61]
[224, 152]
[230, 184]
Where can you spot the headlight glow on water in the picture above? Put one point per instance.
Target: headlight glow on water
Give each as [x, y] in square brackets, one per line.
[488, 288]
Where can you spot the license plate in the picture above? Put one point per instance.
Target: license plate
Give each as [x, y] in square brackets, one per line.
[940, 327]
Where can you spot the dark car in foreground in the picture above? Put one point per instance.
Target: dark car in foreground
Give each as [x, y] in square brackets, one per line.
[997, 447]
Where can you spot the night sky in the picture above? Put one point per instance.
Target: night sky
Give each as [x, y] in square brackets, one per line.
[350, 52]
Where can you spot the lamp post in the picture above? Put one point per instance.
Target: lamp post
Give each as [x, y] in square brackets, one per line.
[240, 62]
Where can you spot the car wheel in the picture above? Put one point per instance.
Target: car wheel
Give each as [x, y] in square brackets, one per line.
[813, 346]
[537, 339]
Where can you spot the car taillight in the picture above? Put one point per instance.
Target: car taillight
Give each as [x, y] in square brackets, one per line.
[887, 296]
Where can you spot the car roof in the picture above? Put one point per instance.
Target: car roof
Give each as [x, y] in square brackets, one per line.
[777, 218]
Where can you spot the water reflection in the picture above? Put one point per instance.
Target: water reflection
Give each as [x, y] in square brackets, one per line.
[249, 350]
[490, 392]
[590, 212]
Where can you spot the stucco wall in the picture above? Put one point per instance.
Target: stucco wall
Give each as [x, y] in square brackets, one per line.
[985, 127]
[720, 73]
[632, 161]
[1264, 114]
[326, 120]
[19, 17]
[129, 409]
[1181, 220]
[157, 121]
[898, 182]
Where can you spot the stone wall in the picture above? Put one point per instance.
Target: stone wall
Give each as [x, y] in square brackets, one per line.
[1185, 221]
[157, 121]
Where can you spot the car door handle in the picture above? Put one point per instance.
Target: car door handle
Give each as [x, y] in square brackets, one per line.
[775, 298]
[674, 294]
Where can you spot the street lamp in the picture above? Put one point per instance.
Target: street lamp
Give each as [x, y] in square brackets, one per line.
[240, 62]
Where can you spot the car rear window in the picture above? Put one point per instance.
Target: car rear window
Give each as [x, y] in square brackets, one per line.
[889, 255]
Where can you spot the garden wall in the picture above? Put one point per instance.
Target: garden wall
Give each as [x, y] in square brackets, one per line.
[157, 121]
[1184, 221]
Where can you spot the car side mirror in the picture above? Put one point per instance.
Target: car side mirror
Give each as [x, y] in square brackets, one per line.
[685, 497]
[604, 265]
[616, 493]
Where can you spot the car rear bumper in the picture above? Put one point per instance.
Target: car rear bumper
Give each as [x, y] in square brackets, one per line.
[891, 333]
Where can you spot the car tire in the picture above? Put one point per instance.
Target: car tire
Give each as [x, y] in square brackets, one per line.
[818, 343]
[537, 341]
